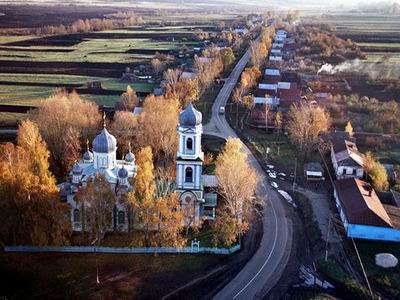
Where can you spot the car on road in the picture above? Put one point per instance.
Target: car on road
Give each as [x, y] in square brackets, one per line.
[221, 110]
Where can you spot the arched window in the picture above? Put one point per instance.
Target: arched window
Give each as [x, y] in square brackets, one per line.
[189, 174]
[189, 144]
[121, 217]
[77, 216]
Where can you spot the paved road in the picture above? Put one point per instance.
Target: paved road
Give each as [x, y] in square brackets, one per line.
[265, 268]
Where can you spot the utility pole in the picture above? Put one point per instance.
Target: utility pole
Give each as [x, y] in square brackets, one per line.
[295, 171]
[327, 238]
[363, 270]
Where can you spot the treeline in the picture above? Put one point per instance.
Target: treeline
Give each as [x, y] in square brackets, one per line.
[206, 69]
[314, 41]
[94, 24]
[383, 116]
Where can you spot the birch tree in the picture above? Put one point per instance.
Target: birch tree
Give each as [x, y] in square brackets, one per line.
[305, 123]
[237, 180]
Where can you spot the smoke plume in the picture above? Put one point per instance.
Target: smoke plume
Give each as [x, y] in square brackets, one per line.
[383, 69]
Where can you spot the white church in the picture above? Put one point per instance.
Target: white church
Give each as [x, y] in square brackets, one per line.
[191, 184]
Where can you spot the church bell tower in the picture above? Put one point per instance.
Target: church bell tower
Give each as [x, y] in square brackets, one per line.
[189, 162]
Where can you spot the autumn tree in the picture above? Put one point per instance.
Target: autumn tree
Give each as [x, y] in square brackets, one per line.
[249, 77]
[387, 116]
[278, 122]
[141, 200]
[65, 122]
[124, 128]
[224, 229]
[376, 172]
[144, 180]
[31, 211]
[170, 222]
[305, 123]
[228, 57]
[237, 188]
[31, 141]
[129, 99]
[258, 53]
[98, 200]
[349, 128]
[158, 65]
[237, 96]
[180, 88]
[157, 126]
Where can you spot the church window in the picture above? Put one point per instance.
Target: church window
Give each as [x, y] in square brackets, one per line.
[121, 217]
[189, 144]
[77, 216]
[189, 174]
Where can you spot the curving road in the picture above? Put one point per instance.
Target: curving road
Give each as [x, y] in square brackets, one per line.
[266, 266]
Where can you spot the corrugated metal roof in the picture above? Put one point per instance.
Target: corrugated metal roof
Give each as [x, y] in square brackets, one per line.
[360, 203]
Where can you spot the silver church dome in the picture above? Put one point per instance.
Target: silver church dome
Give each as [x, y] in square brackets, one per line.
[190, 116]
[104, 142]
[123, 173]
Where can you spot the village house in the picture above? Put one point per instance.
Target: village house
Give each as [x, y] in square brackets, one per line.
[363, 214]
[346, 159]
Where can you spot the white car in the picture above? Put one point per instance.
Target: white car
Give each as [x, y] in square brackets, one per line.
[222, 110]
[274, 185]
[272, 175]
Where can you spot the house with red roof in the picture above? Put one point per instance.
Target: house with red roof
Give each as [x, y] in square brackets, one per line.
[363, 214]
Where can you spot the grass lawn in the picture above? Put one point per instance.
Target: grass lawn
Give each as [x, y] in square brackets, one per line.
[115, 84]
[387, 279]
[122, 276]
[23, 95]
[344, 283]
[47, 78]
[310, 225]
[4, 39]
[10, 119]
[281, 150]
[102, 99]
[206, 101]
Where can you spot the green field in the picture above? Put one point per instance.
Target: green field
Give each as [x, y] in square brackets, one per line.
[14, 38]
[369, 31]
[47, 78]
[122, 276]
[97, 49]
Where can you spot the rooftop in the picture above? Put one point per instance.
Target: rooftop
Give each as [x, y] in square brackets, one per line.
[360, 203]
[345, 150]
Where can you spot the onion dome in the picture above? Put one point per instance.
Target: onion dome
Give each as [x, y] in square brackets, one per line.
[130, 157]
[190, 116]
[77, 169]
[104, 142]
[123, 173]
[88, 155]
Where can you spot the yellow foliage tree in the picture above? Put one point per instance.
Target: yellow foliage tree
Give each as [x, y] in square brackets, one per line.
[349, 128]
[65, 122]
[157, 126]
[237, 181]
[31, 211]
